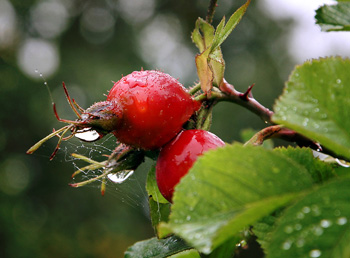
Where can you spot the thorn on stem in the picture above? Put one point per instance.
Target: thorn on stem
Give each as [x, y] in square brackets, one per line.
[248, 94]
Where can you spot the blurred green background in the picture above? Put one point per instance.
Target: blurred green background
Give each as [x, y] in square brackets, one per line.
[87, 44]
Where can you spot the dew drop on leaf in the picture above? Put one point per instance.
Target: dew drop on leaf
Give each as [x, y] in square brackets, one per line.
[298, 227]
[315, 210]
[337, 213]
[315, 253]
[300, 215]
[287, 245]
[288, 229]
[318, 231]
[342, 221]
[300, 242]
[306, 209]
[325, 223]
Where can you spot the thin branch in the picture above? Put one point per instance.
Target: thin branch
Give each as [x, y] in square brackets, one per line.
[228, 93]
[211, 11]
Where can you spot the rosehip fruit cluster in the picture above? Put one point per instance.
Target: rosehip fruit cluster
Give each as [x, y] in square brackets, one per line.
[177, 157]
[144, 109]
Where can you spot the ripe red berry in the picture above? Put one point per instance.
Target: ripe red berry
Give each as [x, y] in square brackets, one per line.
[177, 157]
[144, 109]
[154, 107]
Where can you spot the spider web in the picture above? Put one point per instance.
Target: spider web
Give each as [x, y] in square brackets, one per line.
[130, 191]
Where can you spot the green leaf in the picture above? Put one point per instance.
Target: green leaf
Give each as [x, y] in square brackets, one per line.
[210, 62]
[334, 17]
[152, 187]
[202, 34]
[263, 228]
[192, 253]
[159, 212]
[159, 207]
[231, 188]
[315, 103]
[317, 169]
[156, 248]
[217, 65]
[316, 226]
[222, 32]
[226, 249]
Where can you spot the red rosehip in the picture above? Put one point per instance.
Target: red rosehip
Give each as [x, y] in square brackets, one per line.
[154, 107]
[177, 157]
[144, 109]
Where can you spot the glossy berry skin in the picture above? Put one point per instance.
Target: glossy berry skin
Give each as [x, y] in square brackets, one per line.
[153, 107]
[177, 157]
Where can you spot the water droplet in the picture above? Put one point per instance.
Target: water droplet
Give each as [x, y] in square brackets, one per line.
[306, 120]
[300, 215]
[316, 110]
[318, 231]
[324, 116]
[197, 236]
[325, 223]
[188, 218]
[306, 209]
[342, 163]
[288, 229]
[287, 245]
[306, 113]
[314, 100]
[87, 134]
[315, 210]
[338, 81]
[315, 253]
[298, 227]
[315, 125]
[120, 176]
[300, 242]
[242, 243]
[342, 221]
[337, 213]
